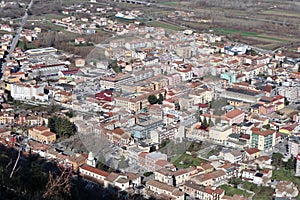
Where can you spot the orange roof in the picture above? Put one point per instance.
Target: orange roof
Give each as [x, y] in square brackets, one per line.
[234, 113]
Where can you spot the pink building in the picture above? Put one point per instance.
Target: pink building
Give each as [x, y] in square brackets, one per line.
[235, 116]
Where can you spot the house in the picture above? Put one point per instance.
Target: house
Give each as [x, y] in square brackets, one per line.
[252, 153]
[264, 162]
[42, 134]
[152, 158]
[119, 137]
[77, 160]
[214, 178]
[162, 189]
[122, 181]
[235, 116]
[248, 174]
[206, 167]
[174, 178]
[233, 156]
[220, 132]
[201, 192]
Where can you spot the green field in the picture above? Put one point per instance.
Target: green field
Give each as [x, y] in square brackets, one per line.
[46, 16]
[230, 191]
[261, 192]
[185, 161]
[164, 25]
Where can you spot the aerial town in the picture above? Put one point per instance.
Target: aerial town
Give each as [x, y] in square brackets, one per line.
[148, 112]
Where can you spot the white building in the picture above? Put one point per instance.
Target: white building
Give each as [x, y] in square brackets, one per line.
[26, 91]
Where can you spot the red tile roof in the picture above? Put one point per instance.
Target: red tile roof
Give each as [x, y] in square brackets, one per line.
[95, 170]
[252, 151]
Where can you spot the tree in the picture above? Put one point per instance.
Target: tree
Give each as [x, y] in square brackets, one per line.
[267, 126]
[152, 99]
[101, 162]
[286, 102]
[205, 124]
[277, 160]
[160, 99]
[61, 126]
[290, 164]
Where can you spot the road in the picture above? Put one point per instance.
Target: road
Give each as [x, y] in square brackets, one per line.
[17, 36]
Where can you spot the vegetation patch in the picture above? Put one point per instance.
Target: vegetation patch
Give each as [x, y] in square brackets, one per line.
[186, 160]
[164, 25]
[230, 191]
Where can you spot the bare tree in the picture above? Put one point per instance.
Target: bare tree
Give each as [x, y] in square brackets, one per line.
[59, 184]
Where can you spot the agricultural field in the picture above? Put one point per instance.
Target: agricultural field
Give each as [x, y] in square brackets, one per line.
[164, 25]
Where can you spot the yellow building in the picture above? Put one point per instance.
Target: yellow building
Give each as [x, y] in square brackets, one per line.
[42, 134]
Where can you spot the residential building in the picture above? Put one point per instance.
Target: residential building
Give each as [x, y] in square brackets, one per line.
[262, 140]
[294, 145]
[234, 156]
[219, 133]
[116, 81]
[200, 192]
[164, 190]
[235, 116]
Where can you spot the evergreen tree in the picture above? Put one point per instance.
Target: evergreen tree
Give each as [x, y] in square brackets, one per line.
[205, 122]
[152, 99]
[160, 99]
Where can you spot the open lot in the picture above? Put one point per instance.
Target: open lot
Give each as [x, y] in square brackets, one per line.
[230, 191]
[186, 160]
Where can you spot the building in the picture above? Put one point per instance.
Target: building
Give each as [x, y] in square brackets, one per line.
[219, 133]
[297, 165]
[21, 91]
[42, 134]
[214, 178]
[234, 156]
[235, 116]
[91, 172]
[164, 191]
[252, 153]
[116, 81]
[262, 140]
[152, 158]
[294, 145]
[200, 192]
[47, 71]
